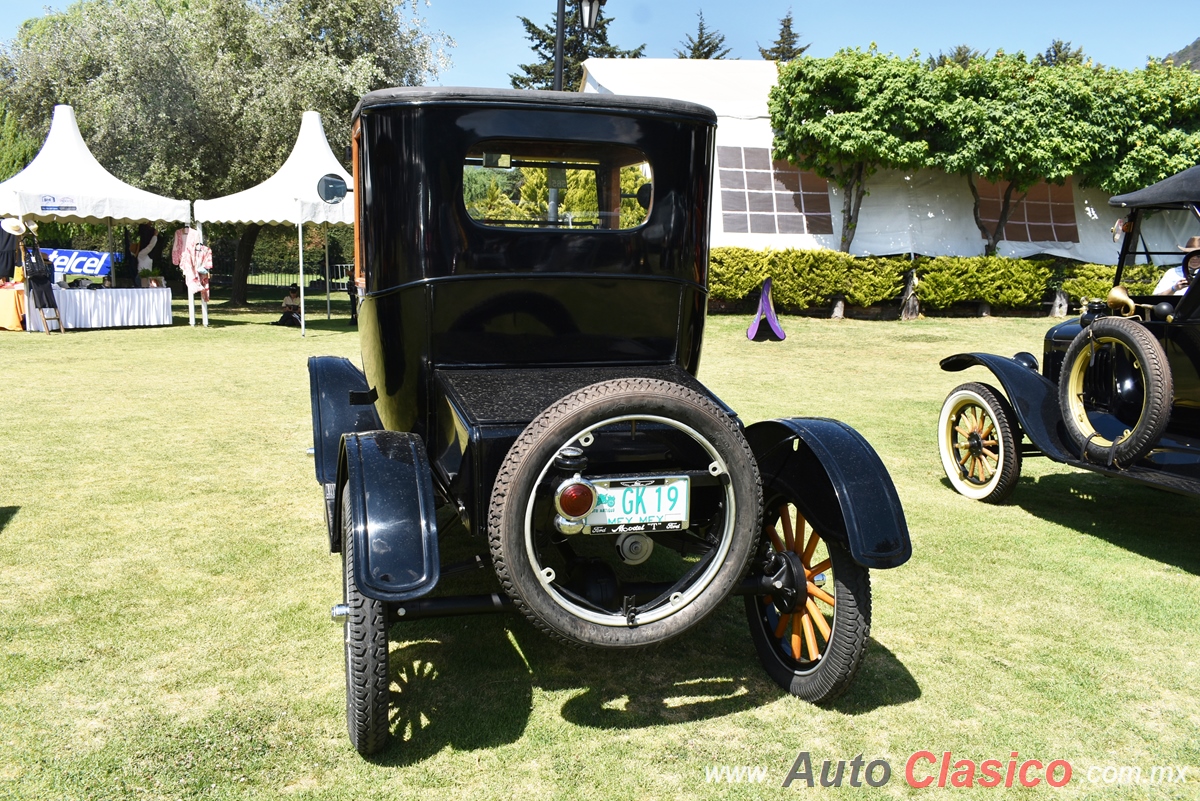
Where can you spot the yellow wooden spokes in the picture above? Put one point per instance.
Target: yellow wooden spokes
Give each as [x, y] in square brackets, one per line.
[820, 594]
[818, 618]
[805, 630]
[786, 521]
[778, 543]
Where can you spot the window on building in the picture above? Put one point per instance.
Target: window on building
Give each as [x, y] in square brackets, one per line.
[1047, 214]
[761, 196]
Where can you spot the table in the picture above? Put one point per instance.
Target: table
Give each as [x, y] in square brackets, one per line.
[12, 308]
[107, 308]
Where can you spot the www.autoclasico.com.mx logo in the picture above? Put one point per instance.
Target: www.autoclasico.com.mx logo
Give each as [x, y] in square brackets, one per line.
[927, 769]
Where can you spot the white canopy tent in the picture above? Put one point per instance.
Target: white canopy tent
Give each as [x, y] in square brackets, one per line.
[66, 183]
[290, 195]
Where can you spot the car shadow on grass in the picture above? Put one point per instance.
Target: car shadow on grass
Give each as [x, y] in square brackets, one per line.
[468, 683]
[1153, 523]
[7, 513]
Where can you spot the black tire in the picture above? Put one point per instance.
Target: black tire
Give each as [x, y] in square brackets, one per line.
[790, 649]
[979, 441]
[603, 420]
[368, 688]
[1115, 376]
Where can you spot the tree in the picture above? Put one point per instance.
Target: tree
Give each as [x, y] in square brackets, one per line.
[961, 55]
[1011, 123]
[1059, 54]
[578, 46]
[706, 44]
[785, 48]
[1147, 125]
[203, 98]
[17, 147]
[847, 116]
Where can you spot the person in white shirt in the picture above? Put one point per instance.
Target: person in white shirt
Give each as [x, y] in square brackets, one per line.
[1176, 280]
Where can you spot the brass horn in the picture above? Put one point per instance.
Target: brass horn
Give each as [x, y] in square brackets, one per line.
[1118, 298]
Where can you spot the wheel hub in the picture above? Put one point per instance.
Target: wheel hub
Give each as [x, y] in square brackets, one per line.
[975, 443]
[788, 581]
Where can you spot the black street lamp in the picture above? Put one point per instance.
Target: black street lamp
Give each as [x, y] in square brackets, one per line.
[589, 11]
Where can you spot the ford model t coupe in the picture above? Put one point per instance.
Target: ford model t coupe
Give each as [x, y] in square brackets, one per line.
[1119, 388]
[533, 273]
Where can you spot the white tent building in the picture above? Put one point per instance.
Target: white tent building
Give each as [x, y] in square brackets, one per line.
[277, 200]
[761, 204]
[290, 195]
[66, 182]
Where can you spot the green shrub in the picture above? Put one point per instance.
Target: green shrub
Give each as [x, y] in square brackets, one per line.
[874, 280]
[1094, 280]
[733, 273]
[803, 278]
[806, 278]
[1002, 282]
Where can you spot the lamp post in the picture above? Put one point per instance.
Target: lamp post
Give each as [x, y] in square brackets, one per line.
[589, 12]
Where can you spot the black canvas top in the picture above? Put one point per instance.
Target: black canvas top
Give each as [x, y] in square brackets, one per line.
[417, 95]
[1177, 192]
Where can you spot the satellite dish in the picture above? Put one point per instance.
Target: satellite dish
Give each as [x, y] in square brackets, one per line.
[331, 188]
[13, 226]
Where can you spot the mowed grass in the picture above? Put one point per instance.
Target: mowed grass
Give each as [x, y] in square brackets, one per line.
[165, 584]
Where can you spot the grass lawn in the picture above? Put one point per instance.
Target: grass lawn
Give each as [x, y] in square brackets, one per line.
[165, 585]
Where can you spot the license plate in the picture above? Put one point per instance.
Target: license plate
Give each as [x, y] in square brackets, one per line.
[639, 504]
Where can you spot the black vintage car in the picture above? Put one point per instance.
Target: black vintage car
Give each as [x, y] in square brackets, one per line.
[1118, 392]
[533, 272]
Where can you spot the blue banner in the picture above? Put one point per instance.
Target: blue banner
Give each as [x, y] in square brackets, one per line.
[77, 262]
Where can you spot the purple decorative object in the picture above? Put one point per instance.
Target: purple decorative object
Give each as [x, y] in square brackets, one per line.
[772, 331]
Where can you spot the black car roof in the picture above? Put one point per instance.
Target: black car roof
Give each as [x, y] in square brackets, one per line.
[455, 95]
[1181, 190]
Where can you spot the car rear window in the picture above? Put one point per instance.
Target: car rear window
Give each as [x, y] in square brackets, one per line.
[556, 185]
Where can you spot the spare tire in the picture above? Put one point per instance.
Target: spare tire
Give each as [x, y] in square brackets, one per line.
[641, 584]
[1115, 391]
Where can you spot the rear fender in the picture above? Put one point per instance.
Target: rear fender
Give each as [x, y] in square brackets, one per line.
[392, 514]
[839, 484]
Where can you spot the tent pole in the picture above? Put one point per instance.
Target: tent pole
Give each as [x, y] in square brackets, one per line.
[300, 245]
[328, 289]
[112, 257]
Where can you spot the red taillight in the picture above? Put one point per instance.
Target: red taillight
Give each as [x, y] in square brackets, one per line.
[576, 499]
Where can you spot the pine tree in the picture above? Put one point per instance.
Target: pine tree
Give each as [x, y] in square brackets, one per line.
[1060, 53]
[785, 48]
[706, 44]
[960, 55]
[578, 46]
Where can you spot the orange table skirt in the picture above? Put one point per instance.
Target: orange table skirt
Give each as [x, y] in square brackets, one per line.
[12, 309]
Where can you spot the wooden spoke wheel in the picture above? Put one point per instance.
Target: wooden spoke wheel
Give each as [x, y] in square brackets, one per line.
[978, 438]
[811, 633]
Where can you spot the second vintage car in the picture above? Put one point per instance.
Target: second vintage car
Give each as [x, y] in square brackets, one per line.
[1119, 389]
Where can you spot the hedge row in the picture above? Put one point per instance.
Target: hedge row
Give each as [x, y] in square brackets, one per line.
[806, 278]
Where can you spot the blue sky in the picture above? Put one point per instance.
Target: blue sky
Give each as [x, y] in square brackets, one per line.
[490, 38]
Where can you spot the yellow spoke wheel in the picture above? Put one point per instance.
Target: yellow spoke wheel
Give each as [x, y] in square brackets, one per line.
[979, 440]
[811, 634]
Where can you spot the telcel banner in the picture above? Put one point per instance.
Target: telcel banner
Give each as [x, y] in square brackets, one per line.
[78, 262]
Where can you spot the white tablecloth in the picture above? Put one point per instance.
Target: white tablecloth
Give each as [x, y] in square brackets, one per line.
[106, 308]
